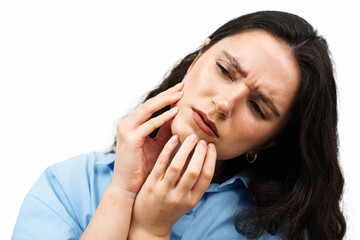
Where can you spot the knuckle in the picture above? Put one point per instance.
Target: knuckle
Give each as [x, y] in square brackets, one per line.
[174, 169]
[207, 175]
[192, 173]
[121, 130]
[119, 125]
[143, 107]
[174, 201]
[162, 196]
[192, 203]
[161, 161]
[149, 189]
[148, 103]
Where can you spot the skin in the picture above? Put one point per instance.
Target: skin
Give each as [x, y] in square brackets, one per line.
[135, 156]
[269, 67]
[156, 181]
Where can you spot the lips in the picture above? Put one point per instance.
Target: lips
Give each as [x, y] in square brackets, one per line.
[204, 123]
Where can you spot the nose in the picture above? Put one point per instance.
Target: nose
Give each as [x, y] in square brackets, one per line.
[225, 101]
[223, 107]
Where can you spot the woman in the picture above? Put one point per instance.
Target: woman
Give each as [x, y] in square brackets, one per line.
[239, 141]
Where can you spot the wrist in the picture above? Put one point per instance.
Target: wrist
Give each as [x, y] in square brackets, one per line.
[125, 185]
[112, 217]
[115, 193]
[138, 233]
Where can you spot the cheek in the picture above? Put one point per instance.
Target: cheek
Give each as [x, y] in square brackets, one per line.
[243, 136]
[236, 143]
[200, 82]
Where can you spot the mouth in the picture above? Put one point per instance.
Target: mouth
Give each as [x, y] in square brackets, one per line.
[204, 123]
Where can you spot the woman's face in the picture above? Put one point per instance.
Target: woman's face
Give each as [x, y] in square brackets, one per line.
[244, 85]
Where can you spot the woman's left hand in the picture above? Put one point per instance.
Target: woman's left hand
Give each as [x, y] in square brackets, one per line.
[172, 189]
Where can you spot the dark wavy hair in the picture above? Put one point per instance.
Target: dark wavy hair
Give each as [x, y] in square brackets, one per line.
[298, 183]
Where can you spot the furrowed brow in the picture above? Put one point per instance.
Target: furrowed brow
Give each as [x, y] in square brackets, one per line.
[235, 64]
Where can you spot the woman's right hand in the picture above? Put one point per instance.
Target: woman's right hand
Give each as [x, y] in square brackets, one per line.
[136, 152]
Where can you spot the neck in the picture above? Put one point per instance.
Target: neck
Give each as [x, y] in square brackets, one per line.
[218, 174]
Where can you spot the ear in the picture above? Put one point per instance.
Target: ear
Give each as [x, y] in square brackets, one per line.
[268, 145]
[263, 147]
[206, 42]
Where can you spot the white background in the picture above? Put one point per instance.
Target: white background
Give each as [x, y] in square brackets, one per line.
[70, 69]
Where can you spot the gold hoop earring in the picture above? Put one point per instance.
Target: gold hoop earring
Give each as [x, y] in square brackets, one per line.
[251, 158]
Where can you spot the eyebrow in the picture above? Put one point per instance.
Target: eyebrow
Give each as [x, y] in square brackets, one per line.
[235, 64]
[265, 99]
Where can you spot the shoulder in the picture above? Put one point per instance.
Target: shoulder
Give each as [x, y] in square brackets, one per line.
[88, 163]
[76, 181]
[84, 167]
[66, 194]
[75, 173]
[84, 162]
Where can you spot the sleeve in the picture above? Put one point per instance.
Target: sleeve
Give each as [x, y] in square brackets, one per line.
[47, 212]
[37, 220]
[63, 200]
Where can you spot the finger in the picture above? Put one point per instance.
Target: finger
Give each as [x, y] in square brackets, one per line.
[154, 104]
[193, 170]
[177, 164]
[164, 134]
[207, 172]
[162, 162]
[148, 127]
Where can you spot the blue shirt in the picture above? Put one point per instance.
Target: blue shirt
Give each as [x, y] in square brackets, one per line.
[66, 195]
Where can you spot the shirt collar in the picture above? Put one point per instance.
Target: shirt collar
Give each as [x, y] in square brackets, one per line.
[240, 180]
[109, 160]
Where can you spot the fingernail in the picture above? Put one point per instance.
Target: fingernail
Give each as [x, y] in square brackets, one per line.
[192, 138]
[202, 143]
[211, 146]
[178, 94]
[178, 85]
[174, 139]
[174, 109]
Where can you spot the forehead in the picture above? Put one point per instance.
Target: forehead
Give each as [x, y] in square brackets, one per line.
[268, 62]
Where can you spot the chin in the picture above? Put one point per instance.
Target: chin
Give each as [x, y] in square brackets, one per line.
[181, 130]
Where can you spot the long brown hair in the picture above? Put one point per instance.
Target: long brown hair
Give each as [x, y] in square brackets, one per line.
[298, 183]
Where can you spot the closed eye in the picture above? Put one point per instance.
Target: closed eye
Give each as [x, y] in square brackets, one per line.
[258, 110]
[223, 70]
